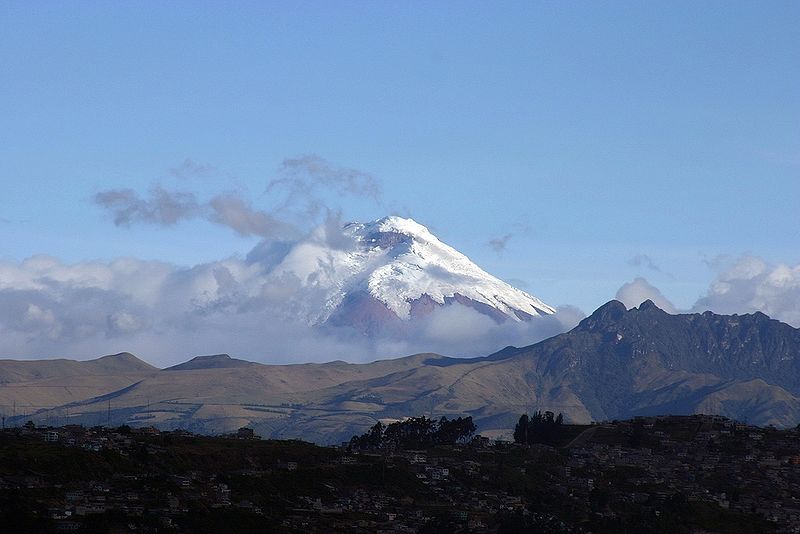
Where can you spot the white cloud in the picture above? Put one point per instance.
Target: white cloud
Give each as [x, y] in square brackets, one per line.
[745, 285]
[638, 290]
[455, 323]
[125, 322]
[752, 284]
[43, 320]
[167, 314]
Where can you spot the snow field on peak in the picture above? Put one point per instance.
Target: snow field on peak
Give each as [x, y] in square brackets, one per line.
[397, 261]
[433, 268]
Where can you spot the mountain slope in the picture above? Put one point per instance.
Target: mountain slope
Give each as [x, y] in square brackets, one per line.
[393, 268]
[12, 371]
[621, 363]
[30, 386]
[616, 363]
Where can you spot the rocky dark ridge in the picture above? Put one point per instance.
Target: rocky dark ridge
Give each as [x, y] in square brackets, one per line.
[611, 355]
[730, 346]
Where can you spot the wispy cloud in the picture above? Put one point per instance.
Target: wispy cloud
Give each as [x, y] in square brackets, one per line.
[234, 212]
[498, 244]
[302, 188]
[719, 262]
[160, 207]
[521, 227]
[167, 208]
[643, 260]
[189, 169]
[306, 183]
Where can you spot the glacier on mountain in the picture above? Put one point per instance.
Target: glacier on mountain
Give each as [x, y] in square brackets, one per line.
[397, 262]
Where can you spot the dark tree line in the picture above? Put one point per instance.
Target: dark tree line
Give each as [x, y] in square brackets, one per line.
[416, 432]
[539, 427]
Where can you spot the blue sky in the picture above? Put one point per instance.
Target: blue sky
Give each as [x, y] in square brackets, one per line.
[608, 140]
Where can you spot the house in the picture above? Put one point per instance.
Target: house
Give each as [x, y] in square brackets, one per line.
[245, 433]
[438, 473]
[481, 441]
[417, 457]
[51, 436]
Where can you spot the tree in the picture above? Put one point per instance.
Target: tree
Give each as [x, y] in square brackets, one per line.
[416, 432]
[372, 439]
[375, 435]
[540, 427]
[521, 430]
[450, 432]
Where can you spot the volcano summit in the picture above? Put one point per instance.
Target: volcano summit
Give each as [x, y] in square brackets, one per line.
[368, 275]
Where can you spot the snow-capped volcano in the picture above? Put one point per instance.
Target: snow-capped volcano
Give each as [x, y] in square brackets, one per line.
[365, 274]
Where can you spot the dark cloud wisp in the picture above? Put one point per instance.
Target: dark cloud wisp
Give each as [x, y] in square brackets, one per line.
[498, 244]
[234, 212]
[302, 188]
[305, 183]
[189, 169]
[160, 207]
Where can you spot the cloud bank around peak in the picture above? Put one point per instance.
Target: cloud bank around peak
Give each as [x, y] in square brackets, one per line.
[167, 314]
[242, 306]
[744, 285]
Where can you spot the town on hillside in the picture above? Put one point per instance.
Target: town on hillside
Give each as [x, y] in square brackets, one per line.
[668, 474]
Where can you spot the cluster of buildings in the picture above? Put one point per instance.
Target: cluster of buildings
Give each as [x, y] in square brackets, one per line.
[650, 462]
[412, 489]
[648, 467]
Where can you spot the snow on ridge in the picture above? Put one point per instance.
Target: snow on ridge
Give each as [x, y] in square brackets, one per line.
[397, 261]
[433, 268]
